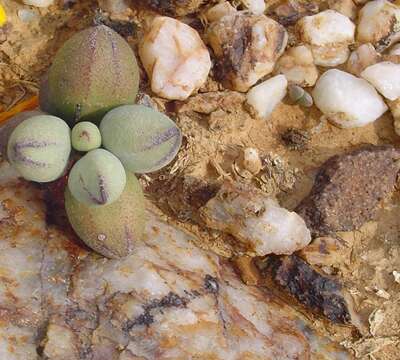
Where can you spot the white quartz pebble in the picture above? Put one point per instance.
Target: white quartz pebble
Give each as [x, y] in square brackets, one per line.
[385, 77]
[256, 220]
[218, 11]
[38, 3]
[347, 100]
[257, 7]
[362, 57]
[251, 160]
[263, 98]
[395, 50]
[297, 64]
[114, 6]
[378, 23]
[329, 34]
[246, 47]
[175, 58]
[345, 7]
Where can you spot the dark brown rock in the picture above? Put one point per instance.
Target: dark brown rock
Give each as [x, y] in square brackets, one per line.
[317, 292]
[348, 189]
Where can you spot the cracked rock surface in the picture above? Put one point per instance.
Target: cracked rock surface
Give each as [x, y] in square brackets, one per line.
[169, 300]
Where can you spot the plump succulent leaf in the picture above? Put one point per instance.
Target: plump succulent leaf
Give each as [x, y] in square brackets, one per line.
[144, 139]
[98, 178]
[111, 230]
[85, 136]
[39, 148]
[93, 72]
[7, 129]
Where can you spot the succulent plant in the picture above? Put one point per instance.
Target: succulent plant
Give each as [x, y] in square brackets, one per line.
[111, 230]
[143, 139]
[85, 136]
[7, 129]
[298, 95]
[98, 178]
[93, 72]
[39, 148]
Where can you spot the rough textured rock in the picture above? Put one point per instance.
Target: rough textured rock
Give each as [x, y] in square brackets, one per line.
[317, 292]
[255, 220]
[247, 47]
[167, 300]
[348, 189]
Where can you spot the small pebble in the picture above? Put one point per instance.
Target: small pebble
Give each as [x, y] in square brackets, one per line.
[396, 275]
[346, 100]
[378, 23]
[27, 15]
[175, 58]
[252, 161]
[385, 77]
[329, 35]
[263, 98]
[38, 3]
[256, 220]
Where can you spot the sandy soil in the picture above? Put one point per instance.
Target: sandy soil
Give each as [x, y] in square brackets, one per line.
[367, 261]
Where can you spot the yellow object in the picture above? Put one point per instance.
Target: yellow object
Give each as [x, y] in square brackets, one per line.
[3, 16]
[29, 104]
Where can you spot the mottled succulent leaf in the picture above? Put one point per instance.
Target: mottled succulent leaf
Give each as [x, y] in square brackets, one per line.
[97, 179]
[143, 139]
[39, 148]
[7, 129]
[85, 136]
[111, 230]
[94, 71]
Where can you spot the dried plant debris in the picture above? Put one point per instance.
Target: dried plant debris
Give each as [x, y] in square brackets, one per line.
[188, 194]
[247, 269]
[366, 348]
[317, 292]
[174, 7]
[207, 103]
[276, 176]
[123, 27]
[348, 189]
[295, 139]
[328, 253]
